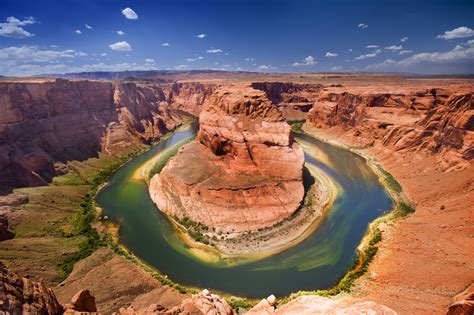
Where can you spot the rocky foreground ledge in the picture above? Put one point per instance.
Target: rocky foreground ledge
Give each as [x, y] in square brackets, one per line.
[242, 174]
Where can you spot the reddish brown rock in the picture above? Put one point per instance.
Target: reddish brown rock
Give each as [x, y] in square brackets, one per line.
[23, 296]
[243, 173]
[463, 303]
[203, 303]
[43, 123]
[434, 120]
[82, 301]
[313, 304]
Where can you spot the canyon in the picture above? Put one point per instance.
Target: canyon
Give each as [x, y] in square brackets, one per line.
[243, 173]
[421, 131]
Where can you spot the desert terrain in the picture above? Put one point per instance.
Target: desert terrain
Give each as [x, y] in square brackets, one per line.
[61, 139]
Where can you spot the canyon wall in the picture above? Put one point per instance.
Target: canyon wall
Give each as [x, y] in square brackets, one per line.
[436, 121]
[294, 100]
[244, 171]
[43, 125]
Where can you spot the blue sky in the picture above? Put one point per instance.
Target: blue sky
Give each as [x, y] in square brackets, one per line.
[431, 37]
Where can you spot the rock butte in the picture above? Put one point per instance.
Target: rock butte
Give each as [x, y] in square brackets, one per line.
[243, 173]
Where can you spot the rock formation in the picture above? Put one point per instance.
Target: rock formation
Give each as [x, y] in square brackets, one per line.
[189, 96]
[244, 171]
[82, 302]
[313, 304]
[294, 100]
[45, 124]
[23, 296]
[463, 303]
[202, 303]
[432, 120]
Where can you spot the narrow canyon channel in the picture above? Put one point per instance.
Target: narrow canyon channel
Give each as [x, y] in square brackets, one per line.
[318, 262]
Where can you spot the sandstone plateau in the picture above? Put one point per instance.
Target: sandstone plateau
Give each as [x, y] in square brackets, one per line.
[244, 171]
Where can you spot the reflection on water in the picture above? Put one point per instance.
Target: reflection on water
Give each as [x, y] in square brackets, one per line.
[318, 262]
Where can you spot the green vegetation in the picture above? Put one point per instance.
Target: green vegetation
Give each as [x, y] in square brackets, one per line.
[239, 303]
[91, 240]
[194, 229]
[391, 182]
[403, 209]
[297, 126]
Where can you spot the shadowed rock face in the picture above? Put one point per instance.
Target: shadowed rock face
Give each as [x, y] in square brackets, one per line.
[43, 123]
[244, 171]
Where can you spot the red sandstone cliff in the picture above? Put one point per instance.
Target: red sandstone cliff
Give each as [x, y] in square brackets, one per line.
[436, 121]
[46, 124]
[243, 173]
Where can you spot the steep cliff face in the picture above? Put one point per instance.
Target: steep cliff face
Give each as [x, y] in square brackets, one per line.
[243, 172]
[189, 96]
[43, 123]
[294, 100]
[433, 120]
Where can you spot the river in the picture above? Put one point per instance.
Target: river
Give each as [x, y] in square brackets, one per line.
[318, 262]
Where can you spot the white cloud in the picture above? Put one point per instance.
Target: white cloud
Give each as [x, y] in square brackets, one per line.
[372, 46]
[362, 25]
[386, 63]
[308, 61]
[181, 67]
[35, 69]
[249, 59]
[88, 26]
[194, 59]
[265, 67]
[103, 54]
[80, 54]
[121, 46]
[394, 47]
[129, 14]
[330, 54]
[214, 51]
[165, 44]
[464, 51]
[459, 32]
[201, 36]
[78, 31]
[404, 39]
[149, 60]
[33, 54]
[53, 46]
[121, 33]
[13, 27]
[460, 52]
[403, 52]
[336, 68]
[370, 55]
[349, 50]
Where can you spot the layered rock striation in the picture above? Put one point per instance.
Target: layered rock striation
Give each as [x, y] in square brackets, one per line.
[44, 124]
[434, 120]
[243, 173]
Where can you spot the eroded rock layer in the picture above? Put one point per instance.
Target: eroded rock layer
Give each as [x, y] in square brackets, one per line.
[243, 172]
[46, 123]
[434, 120]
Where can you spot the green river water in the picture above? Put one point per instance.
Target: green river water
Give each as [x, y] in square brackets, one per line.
[318, 262]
